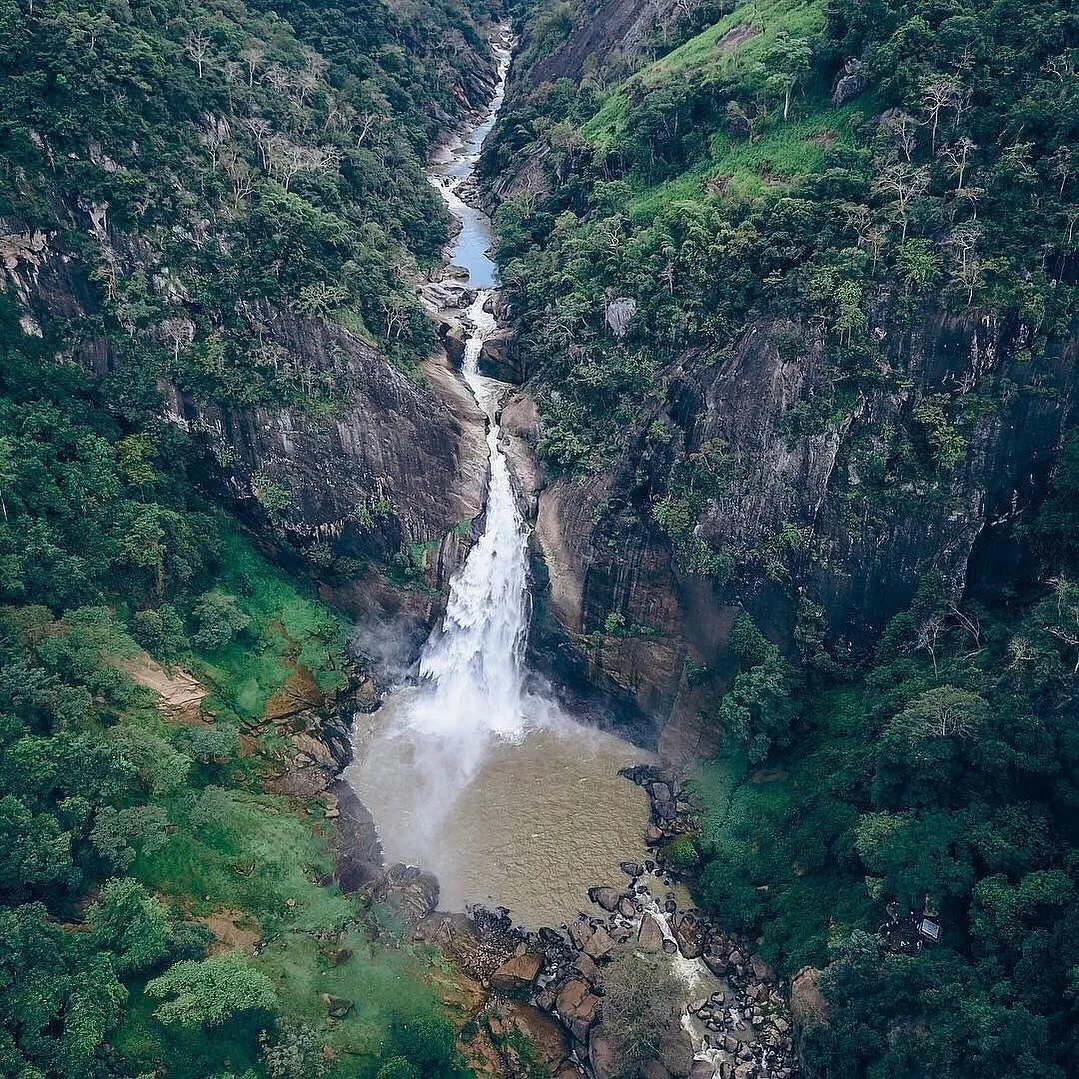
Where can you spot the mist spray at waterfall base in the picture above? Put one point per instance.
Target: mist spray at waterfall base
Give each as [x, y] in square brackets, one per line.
[469, 773]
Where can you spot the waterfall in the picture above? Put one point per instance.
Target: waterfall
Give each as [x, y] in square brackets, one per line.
[470, 668]
[466, 772]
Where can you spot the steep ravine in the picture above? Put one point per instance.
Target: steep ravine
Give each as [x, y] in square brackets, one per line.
[515, 831]
[473, 772]
[816, 534]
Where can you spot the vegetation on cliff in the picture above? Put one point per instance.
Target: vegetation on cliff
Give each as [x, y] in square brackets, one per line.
[132, 841]
[940, 783]
[187, 169]
[204, 159]
[834, 182]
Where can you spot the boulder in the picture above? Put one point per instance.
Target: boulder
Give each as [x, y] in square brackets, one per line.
[586, 967]
[498, 357]
[338, 1007]
[599, 945]
[851, 82]
[550, 1045]
[453, 341]
[650, 935]
[409, 891]
[689, 933]
[516, 975]
[601, 1056]
[717, 964]
[580, 933]
[607, 898]
[576, 1004]
[702, 1069]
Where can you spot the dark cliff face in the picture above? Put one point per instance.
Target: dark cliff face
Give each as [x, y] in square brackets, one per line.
[821, 534]
[867, 531]
[828, 485]
[617, 30]
[391, 463]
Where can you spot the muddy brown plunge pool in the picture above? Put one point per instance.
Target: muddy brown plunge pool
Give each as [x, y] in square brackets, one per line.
[543, 817]
[468, 773]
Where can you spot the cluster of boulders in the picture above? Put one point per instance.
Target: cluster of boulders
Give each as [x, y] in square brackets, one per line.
[740, 1030]
[540, 994]
[747, 1024]
[676, 811]
[447, 298]
[545, 988]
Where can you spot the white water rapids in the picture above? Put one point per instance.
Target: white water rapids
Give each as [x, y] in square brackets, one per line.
[468, 772]
[472, 668]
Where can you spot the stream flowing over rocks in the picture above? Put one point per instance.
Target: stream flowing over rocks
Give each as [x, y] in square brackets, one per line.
[526, 844]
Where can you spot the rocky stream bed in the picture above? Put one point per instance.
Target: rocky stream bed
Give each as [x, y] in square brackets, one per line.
[534, 999]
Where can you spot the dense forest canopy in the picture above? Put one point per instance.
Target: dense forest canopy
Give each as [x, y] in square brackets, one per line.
[185, 165]
[734, 177]
[835, 177]
[218, 158]
[832, 175]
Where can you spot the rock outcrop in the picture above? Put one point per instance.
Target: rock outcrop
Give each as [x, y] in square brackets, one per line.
[805, 516]
[397, 463]
[612, 29]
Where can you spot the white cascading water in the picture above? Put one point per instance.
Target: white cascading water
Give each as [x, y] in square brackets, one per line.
[471, 668]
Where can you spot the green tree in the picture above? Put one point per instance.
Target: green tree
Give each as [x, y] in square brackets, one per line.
[211, 992]
[219, 619]
[132, 924]
[787, 61]
[641, 1000]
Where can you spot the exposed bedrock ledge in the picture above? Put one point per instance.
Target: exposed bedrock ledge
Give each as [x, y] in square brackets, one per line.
[393, 463]
[611, 29]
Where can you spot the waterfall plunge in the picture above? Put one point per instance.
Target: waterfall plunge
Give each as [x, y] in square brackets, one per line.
[471, 667]
[505, 797]
[471, 687]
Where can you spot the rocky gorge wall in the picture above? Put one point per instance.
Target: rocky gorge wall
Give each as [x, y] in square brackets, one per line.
[804, 518]
[307, 430]
[831, 501]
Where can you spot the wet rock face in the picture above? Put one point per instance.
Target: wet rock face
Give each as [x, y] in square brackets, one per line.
[804, 509]
[357, 850]
[499, 357]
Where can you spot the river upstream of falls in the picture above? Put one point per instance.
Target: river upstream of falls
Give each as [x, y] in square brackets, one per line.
[470, 773]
